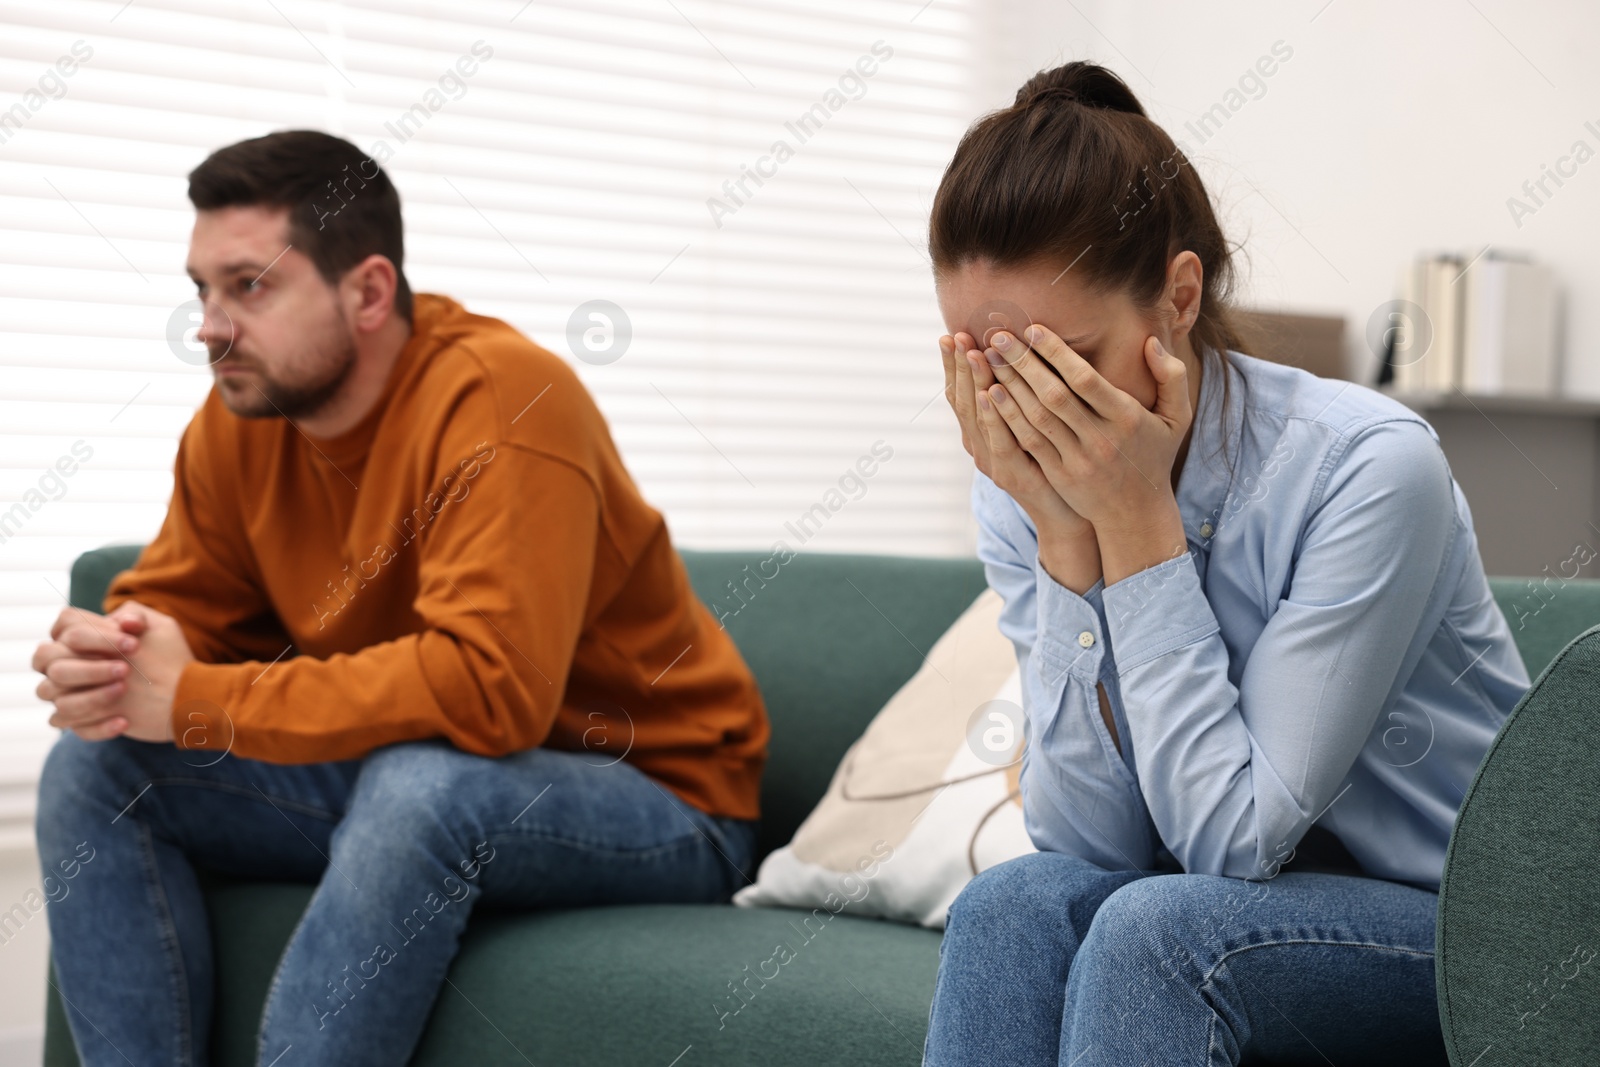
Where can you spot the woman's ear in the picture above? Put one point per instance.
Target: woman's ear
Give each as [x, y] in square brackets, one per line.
[1185, 283]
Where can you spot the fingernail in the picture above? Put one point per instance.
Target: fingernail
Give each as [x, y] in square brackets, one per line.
[983, 400]
[1032, 333]
[999, 392]
[1001, 340]
[127, 644]
[995, 358]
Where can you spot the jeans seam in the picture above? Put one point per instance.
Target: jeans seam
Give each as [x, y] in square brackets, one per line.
[169, 935]
[1223, 959]
[277, 978]
[1211, 1035]
[689, 837]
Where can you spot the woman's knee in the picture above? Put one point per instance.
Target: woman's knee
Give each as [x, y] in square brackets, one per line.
[1036, 892]
[1172, 925]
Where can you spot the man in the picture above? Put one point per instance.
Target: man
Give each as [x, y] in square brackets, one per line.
[408, 631]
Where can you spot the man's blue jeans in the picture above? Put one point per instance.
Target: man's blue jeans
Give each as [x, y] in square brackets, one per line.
[1048, 959]
[402, 844]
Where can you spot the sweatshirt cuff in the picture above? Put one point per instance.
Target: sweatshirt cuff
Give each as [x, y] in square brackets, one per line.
[1160, 609]
[1071, 627]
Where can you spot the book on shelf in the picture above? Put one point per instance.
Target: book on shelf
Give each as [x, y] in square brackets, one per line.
[1488, 326]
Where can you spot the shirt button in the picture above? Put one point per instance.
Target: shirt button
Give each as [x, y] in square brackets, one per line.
[1086, 639]
[1206, 529]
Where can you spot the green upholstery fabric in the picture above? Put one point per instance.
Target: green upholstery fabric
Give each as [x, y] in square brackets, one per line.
[1518, 942]
[1545, 616]
[830, 638]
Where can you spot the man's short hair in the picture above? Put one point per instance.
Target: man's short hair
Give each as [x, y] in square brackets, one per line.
[342, 206]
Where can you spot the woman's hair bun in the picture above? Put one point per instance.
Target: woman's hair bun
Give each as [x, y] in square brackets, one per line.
[1088, 84]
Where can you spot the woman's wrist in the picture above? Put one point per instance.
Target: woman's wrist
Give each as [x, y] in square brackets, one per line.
[1070, 554]
[1140, 546]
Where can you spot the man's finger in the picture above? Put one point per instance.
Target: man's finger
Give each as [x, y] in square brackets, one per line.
[87, 705]
[103, 730]
[85, 640]
[109, 629]
[73, 673]
[46, 653]
[131, 617]
[71, 616]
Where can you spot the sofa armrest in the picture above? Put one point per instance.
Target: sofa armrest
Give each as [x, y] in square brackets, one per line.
[92, 573]
[1517, 952]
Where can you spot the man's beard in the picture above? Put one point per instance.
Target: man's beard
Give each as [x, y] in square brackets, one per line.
[261, 396]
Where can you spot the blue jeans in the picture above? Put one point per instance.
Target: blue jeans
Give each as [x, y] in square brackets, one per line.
[1048, 959]
[402, 845]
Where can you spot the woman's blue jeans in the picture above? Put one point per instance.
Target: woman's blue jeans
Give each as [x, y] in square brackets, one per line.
[402, 844]
[1048, 959]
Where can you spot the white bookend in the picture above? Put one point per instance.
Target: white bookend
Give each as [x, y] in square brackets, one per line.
[1441, 364]
[1405, 331]
[1482, 351]
[1510, 317]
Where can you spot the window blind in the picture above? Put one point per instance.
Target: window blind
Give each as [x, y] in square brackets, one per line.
[716, 211]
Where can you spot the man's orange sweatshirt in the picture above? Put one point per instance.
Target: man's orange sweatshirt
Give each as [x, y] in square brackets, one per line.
[472, 561]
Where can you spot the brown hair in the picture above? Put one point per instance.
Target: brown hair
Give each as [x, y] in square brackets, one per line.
[342, 206]
[1074, 173]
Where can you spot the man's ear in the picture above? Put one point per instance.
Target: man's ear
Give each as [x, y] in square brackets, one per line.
[369, 288]
[1181, 298]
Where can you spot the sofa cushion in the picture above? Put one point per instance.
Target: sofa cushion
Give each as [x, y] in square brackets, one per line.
[630, 984]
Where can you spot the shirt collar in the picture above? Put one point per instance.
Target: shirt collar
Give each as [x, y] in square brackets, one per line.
[1205, 479]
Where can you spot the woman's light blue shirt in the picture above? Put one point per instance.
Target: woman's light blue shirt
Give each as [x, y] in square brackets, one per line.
[1327, 651]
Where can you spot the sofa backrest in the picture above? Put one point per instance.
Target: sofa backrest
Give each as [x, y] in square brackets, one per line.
[830, 638]
[1546, 613]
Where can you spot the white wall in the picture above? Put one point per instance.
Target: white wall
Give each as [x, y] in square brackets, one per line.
[24, 956]
[1394, 127]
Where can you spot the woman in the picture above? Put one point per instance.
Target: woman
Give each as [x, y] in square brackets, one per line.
[1260, 658]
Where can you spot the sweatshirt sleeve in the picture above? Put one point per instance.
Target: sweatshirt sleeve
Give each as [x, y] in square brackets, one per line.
[1234, 775]
[1078, 796]
[503, 584]
[199, 569]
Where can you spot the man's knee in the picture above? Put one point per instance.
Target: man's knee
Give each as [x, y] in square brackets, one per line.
[414, 791]
[79, 774]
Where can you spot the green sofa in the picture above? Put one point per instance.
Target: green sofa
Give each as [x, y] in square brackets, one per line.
[830, 638]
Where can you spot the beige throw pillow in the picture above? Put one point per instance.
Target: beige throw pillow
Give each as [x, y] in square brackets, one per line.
[925, 799]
